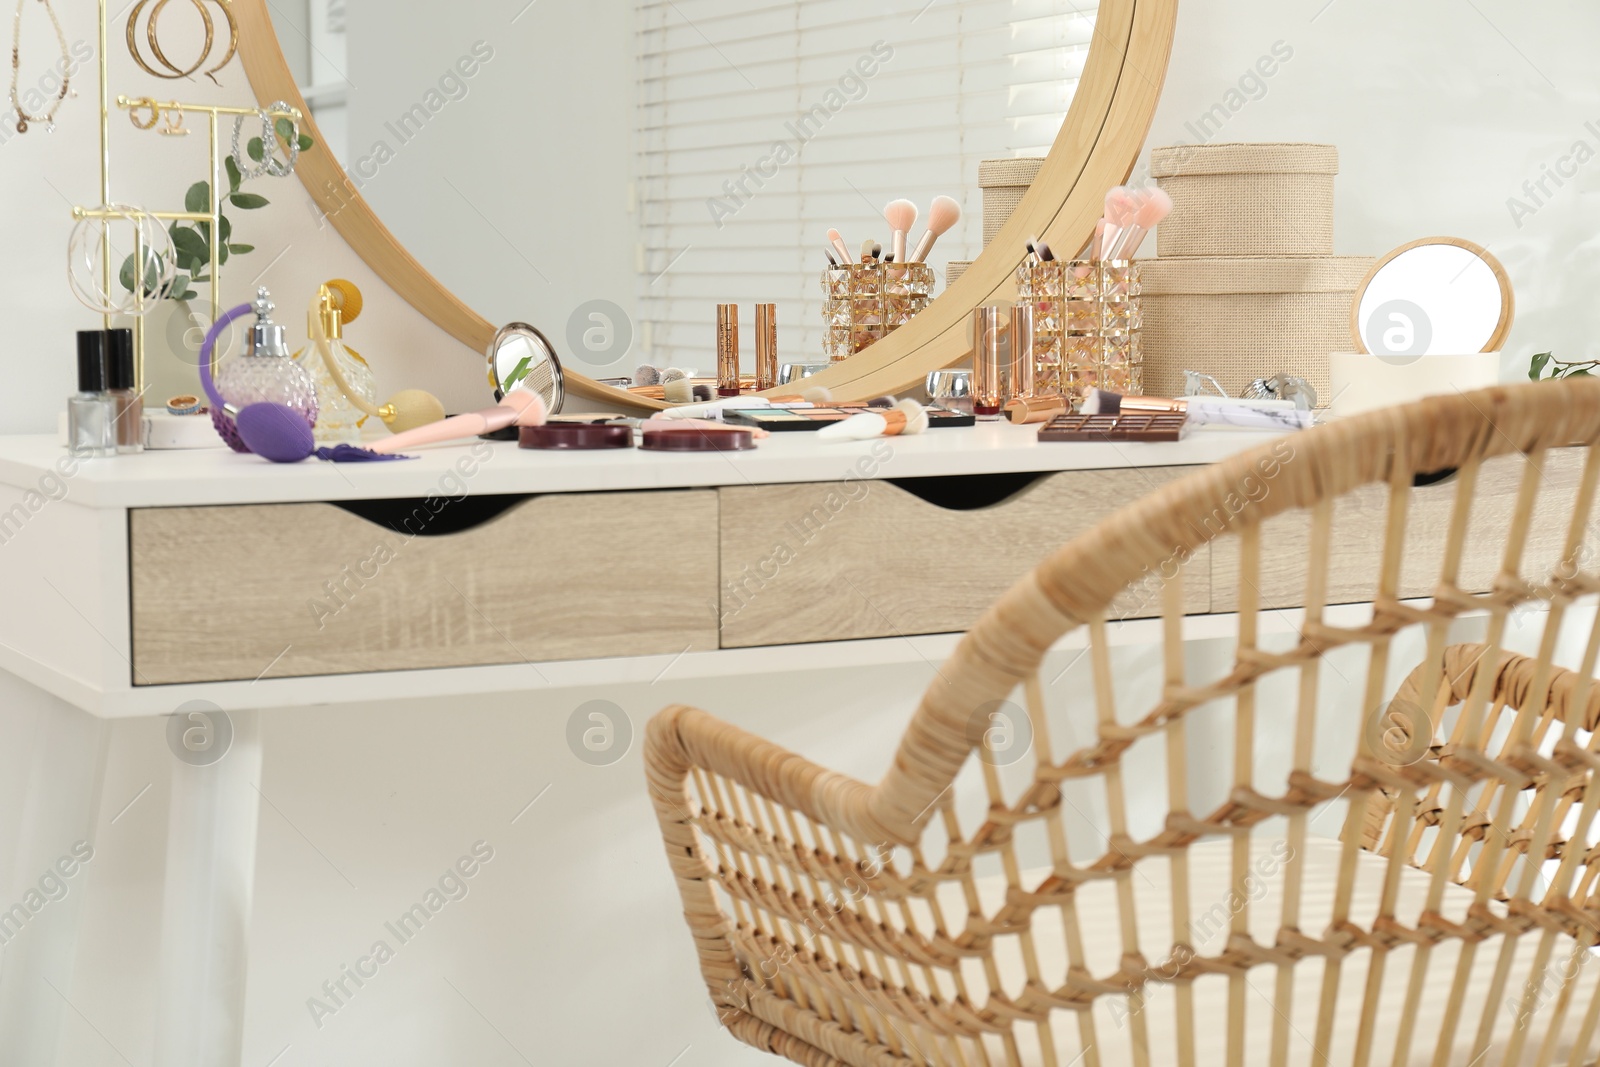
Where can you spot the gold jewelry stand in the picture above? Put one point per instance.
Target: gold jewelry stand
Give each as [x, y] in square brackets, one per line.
[105, 212]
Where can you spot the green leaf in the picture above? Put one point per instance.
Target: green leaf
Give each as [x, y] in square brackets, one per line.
[248, 201]
[179, 289]
[306, 142]
[234, 177]
[240, 250]
[1536, 368]
[201, 279]
[226, 228]
[222, 254]
[285, 129]
[198, 198]
[126, 276]
[517, 374]
[254, 149]
[191, 245]
[1581, 372]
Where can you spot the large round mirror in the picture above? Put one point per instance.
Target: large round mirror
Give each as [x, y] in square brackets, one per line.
[611, 171]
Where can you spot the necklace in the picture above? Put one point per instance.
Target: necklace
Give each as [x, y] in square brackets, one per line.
[48, 118]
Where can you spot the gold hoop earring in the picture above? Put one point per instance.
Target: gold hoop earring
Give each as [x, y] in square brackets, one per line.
[133, 113]
[152, 36]
[174, 123]
[233, 41]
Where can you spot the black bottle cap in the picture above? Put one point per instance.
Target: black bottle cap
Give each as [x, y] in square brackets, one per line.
[119, 359]
[91, 361]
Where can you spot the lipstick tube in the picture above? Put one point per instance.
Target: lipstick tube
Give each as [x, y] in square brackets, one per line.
[766, 346]
[991, 364]
[727, 349]
[1022, 355]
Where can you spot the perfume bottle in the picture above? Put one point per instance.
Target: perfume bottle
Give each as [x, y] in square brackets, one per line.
[127, 402]
[90, 414]
[265, 371]
[338, 419]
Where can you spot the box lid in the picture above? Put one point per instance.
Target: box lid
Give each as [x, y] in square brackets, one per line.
[1231, 275]
[993, 173]
[1175, 161]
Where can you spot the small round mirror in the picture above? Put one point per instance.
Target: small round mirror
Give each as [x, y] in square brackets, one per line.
[1437, 296]
[520, 357]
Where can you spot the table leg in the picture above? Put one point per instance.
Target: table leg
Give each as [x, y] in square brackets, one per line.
[210, 878]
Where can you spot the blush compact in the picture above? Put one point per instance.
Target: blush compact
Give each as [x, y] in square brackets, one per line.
[575, 436]
[691, 439]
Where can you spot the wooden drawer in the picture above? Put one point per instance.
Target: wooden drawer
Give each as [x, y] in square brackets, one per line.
[285, 590]
[841, 561]
[1359, 529]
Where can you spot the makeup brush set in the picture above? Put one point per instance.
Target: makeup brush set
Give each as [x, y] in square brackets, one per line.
[901, 215]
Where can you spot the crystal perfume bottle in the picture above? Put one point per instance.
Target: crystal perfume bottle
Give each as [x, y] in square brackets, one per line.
[338, 419]
[266, 371]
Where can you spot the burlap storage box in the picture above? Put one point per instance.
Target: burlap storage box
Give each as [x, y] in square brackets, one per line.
[1247, 199]
[1004, 182]
[1239, 319]
[954, 270]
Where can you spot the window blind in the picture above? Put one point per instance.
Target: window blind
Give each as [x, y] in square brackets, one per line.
[758, 127]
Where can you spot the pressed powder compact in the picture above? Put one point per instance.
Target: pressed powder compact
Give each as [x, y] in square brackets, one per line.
[575, 436]
[690, 439]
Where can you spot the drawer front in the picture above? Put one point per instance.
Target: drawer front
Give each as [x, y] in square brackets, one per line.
[853, 560]
[288, 590]
[1359, 529]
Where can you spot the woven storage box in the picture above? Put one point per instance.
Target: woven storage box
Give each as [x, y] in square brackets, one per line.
[1239, 319]
[954, 270]
[1004, 183]
[1247, 199]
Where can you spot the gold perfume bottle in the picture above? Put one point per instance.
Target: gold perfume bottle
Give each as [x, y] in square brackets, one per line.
[338, 419]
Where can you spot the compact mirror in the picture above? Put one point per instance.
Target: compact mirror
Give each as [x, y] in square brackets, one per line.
[520, 357]
[1437, 296]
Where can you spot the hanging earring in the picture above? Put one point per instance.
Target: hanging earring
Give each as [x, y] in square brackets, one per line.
[173, 127]
[148, 104]
[270, 163]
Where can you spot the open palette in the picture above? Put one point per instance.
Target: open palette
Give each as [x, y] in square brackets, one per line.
[783, 420]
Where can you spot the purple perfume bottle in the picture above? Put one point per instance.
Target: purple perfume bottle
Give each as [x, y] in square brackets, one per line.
[265, 372]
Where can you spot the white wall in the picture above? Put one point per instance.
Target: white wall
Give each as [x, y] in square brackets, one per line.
[1441, 112]
[570, 943]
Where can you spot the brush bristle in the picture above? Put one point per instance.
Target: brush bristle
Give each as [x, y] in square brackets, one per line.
[901, 215]
[943, 213]
[916, 416]
[1100, 402]
[1156, 207]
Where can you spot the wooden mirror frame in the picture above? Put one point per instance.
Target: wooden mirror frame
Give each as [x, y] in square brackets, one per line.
[1096, 149]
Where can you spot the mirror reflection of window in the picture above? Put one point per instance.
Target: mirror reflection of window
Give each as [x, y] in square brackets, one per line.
[759, 127]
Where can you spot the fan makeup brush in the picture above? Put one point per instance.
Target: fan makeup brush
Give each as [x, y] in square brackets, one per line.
[901, 215]
[1154, 207]
[905, 418]
[943, 213]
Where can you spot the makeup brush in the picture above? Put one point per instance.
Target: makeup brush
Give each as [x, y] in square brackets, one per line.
[521, 407]
[901, 215]
[1043, 251]
[1122, 204]
[1156, 205]
[867, 255]
[839, 246]
[943, 213]
[905, 418]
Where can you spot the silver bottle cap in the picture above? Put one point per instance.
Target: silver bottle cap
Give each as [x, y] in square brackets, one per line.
[266, 336]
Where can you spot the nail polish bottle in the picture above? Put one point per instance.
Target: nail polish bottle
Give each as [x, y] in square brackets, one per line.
[127, 403]
[90, 413]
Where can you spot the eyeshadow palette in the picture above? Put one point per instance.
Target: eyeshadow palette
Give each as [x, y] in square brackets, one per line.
[783, 420]
[1134, 426]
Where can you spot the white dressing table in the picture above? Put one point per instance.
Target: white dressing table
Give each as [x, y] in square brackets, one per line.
[141, 584]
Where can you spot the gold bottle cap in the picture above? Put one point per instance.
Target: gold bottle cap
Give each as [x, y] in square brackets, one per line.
[328, 311]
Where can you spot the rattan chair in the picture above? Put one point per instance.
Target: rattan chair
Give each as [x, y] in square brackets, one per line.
[1447, 914]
